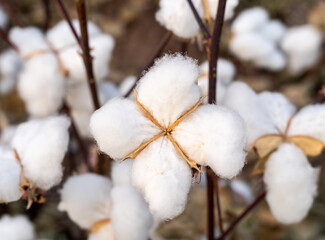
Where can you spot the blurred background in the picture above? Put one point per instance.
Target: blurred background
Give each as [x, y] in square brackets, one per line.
[137, 34]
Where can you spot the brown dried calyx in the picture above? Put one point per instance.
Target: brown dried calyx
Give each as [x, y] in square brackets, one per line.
[30, 192]
[98, 225]
[164, 132]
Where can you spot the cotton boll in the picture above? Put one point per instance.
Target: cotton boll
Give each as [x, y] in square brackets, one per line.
[41, 145]
[217, 140]
[121, 173]
[28, 40]
[303, 46]
[106, 232]
[242, 99]
[126, 85]
[16, 228]
[178, 17]
[166, 103]
[291, 184]
[278, 108]
[130, 209]
[3, 18]
[163, 177]
[275, 61]
[86, 198]
[10, 65]
[273, 30]
[124, 122]
[309, 122]
[42, 86]
[249, 20]
[9, 176]
[229, 11]
[8, 134]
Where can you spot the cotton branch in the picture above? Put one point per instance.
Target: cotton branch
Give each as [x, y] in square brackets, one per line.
[47, 14]
[159, 51]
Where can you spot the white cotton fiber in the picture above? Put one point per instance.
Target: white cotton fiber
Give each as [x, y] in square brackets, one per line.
[229, 11]
[309, 121]
[178, 17]
[119, 123]
[291, 184]
[275, 61]
[41, 145]
[10, 65]
[86, 199]
[214, 136]
[121, 173]
[28, 40]
[42, 86]
[126, 85]
[278, 108]
[106, 232]
[303, 47]
[8, 134]
[3, 18]
[249, 20]
[225, 75]
[163, 177]
[242, 99]
[168, 89]
[16, 228]
[9, 176]
[273, 30]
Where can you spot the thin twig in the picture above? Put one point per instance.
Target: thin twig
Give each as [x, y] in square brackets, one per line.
[88, 60]
[11, 11]
[5, 38]
[159, 51]
[47, 14]
[202, 26]
[220, 221]
[243, 214]
[210, 203]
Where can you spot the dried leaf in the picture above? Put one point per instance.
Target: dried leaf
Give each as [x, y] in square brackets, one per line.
[309, 145]
[98, 225]
[266, 144]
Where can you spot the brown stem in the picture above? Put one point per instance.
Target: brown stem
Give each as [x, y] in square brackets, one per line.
[202, 26]
[11, 11]
[47, 14]
[159, 51]
[243, 214]
[4, 36]
[210, 203]
[217, 195]
[88, 60]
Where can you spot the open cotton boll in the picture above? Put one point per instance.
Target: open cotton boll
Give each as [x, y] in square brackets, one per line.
[61, 36]
[16, 228]
[291, 184]
[9, 176]
[163, 177]
[132, 123]
[303, 46]
[273, 30]
[166, 103]
[229, 11]
[242, 99]
[10, 65]
[126, 85]
[28, 40]
[178, 17]
[309, 122]
[250, 20]
[3, 18]
[275, 61]
[130, 209]
[106, 232]
[42, 86]
[41, 145]
[219, 128]
[86, 199]
[277, 107]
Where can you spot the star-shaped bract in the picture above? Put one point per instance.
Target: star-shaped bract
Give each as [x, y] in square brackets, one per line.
[210, 135]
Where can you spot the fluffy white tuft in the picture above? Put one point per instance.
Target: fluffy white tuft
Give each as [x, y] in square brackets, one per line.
[9, 176]
[41, 145]
[86, 199]
[291, 184]
[126, 84]
[16, 228]
[273, 30]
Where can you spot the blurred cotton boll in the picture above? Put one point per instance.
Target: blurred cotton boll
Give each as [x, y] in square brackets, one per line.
[16, 228]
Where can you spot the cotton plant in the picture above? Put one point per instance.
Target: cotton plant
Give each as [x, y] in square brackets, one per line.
[33, 162]
[256, 38]
[52, 64]
[109, 210]
[225, 75]
[10, 66]
[283, 138]
[16, 227]
[303, 47]
[168, 133]
[178, 17]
